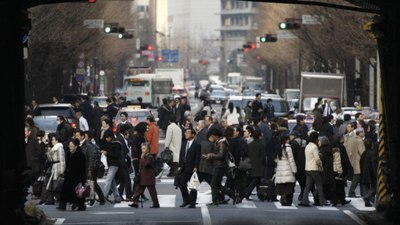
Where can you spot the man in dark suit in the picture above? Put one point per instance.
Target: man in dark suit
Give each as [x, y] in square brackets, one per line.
[189, 159]
[125, 167]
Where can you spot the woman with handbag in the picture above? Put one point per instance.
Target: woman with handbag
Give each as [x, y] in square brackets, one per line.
[146, 178]
[55, 171]
[75, 173]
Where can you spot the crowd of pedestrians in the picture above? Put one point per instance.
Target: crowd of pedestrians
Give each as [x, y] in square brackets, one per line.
[321, 158]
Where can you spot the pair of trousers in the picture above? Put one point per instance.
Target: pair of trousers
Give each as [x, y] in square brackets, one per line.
[124, 182]
[216, 187]
[110, 183]
[313, 177]
[139, 190]
[354, 183]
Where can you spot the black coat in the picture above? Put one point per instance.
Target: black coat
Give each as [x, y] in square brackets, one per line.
[75, 172]
[192, 160]
[369, 166]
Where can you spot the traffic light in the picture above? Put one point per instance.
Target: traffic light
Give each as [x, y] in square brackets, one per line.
[203, 62]
[92, 1]
[159, 58]
[125, 36]
[113, 28]
[149, 47]
[268, 38]
[289, 25]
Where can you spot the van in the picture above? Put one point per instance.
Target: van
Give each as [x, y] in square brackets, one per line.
[281, 106]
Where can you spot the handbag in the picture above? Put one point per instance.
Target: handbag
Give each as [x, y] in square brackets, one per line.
[167, 155]
[58, 185]
[37, 186]
[194, 182]
[230, 160]
[244, 164]
[101, 170]
[82, 190]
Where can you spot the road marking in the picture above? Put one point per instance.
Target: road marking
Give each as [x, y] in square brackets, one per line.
[246, 204]
[59, 221]
[167, 200]
[354, 217]
[279, 206]
[205, 215]
[359, 204]
[111, 213]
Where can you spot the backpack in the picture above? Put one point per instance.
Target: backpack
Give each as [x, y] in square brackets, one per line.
[98, 164]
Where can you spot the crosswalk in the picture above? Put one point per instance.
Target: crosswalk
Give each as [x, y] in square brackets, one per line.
[204, 197]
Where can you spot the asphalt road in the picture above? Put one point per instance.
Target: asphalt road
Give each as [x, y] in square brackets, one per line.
[248, 212]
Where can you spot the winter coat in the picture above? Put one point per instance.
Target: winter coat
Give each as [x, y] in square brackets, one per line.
[354, 147]
[56, 153]
[256, 151]
[146, 171]
[369, 166]
[218, 157]
[173, 140]
[206, 166]
[153, 137]
[231, 117]
[313, 161]
[285, 167]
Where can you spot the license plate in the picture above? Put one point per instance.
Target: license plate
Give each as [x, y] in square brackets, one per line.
[217, 101]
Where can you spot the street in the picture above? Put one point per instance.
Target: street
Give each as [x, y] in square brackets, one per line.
[249, 212]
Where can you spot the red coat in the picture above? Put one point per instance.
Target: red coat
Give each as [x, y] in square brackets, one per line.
[146, 171]
[153, 137]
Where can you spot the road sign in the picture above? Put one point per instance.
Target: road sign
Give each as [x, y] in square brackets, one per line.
[285, 34]
[310, 19]
[80, 71]
[94, 23]
[170, 55]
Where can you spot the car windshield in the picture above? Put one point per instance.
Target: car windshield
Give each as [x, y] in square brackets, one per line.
[134, 117]
[54, 111]
[218, 93]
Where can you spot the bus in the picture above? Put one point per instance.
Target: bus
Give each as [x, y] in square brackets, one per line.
[150, 87]
[235, 81]
[254, 83]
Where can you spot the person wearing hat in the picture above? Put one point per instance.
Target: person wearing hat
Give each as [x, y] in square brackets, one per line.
[313, 171]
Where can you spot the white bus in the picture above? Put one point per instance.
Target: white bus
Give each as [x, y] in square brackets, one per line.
[254, 83]
[148, 86]
[235, 81]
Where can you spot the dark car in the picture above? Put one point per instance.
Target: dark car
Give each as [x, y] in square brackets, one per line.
[45, 116]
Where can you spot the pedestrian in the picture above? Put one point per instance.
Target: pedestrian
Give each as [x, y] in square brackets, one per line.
[75, 173]
[173, 142]
[269, 109]
[285, 172]
[369, 167]
[147, 178]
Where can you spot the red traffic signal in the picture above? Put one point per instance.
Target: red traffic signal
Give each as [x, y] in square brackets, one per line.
[92, 1]
[149, 48]
[159, 58]
[253, 45]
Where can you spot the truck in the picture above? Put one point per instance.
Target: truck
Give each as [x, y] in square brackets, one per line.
[178, 78]
[314, 85]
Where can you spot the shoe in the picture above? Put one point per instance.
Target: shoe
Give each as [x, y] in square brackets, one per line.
[334, 204]
[352, 196]
[134, 205]
[49, 203]
[91, 202]
[102, 202]
[223, 202]
[192, 206]
[73, 206]
[109, 200]
[212, 204]
[184, 204]
[144, 199]
[237, 199]
[118, 201]
[170, 175]
[344, 202]
[286, 204]
[304, 205]
[155, 206]
[368, 204]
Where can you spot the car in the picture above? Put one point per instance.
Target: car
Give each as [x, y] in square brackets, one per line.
[218, 97]
[281, 106]
[308, 121]
[102, 100]
[45, 116]
[192, 91]
[135, 115]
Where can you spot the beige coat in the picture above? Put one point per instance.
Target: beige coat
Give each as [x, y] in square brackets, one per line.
[313, 161]
[354, 148]
[337, 162]
[173, 140]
